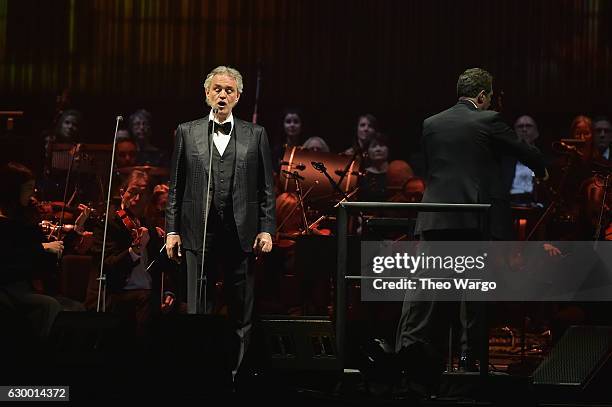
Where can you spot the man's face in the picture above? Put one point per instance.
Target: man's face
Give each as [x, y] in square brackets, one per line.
[125, 154]
[526, 129]
[603, 134]
[141, 129]
[223, 94]
[70, 127]
[135, 197]
[365, 130]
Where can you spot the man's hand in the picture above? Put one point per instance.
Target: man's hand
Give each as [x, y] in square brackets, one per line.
[551, 250]
[262, 244]
[56, 247]
[79, 223]
[168, 302]
[160, 232]
[142, 239]
[173, 248]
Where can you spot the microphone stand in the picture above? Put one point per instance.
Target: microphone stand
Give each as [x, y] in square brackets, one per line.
[356, 152]
[257, 88]
[202, 281]
[102, 276]
[301, 197]
[321, 168]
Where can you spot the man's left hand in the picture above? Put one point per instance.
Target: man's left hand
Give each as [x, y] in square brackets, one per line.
[262, 244]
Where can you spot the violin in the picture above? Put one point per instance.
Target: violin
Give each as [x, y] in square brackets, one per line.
[132, 224]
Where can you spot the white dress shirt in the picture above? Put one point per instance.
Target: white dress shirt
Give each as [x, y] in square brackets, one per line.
[221, 140]
[523, 180]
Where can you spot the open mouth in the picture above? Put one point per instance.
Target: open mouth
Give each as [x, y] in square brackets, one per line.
[222, 104]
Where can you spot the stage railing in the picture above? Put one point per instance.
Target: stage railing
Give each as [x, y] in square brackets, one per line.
[342, 234]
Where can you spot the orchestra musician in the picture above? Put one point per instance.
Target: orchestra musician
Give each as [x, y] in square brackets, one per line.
[131, 245]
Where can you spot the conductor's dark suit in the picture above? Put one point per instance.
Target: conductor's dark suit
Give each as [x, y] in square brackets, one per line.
[463, 150]
[242, 204]
[463, 147]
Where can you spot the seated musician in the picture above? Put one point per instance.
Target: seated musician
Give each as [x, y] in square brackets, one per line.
[131, 246]
[126, 151]
[518, 178]
[23, 254]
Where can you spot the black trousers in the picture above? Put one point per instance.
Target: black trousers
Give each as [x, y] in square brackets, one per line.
[224, 258]
[428, 321]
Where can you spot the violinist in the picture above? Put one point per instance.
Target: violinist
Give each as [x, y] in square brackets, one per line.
[131, 246]
[23, 253]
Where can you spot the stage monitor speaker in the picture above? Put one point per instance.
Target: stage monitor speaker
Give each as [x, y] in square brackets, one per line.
[577, 359]
[299, 343]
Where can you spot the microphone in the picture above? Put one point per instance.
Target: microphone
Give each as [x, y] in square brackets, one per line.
[341, 173]
[319, 166]
[119, 118]
[294, 174]
[298, 166]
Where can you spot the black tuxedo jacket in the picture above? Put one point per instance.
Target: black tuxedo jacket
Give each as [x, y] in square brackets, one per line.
[463, 150]
[252, 193]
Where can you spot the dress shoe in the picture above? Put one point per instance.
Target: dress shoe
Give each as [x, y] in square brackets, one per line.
[467, 363]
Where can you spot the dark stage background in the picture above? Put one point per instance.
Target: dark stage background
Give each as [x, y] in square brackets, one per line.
[336, 59]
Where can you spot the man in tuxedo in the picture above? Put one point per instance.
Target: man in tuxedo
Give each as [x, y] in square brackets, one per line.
[462, 146]
[240, 218]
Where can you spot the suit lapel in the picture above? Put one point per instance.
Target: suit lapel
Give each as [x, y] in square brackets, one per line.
[242, 143]
[201, 141]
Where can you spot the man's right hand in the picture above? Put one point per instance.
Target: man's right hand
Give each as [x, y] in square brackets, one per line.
[56, 247]
[173, 248]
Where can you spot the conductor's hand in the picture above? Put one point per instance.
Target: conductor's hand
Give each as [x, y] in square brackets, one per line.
[262, 244]
[173, 248]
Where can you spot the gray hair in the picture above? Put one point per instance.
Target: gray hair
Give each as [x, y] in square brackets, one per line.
[308, 144]
[224, 70]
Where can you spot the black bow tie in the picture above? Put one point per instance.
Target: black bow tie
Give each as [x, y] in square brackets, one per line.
[224, 128]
